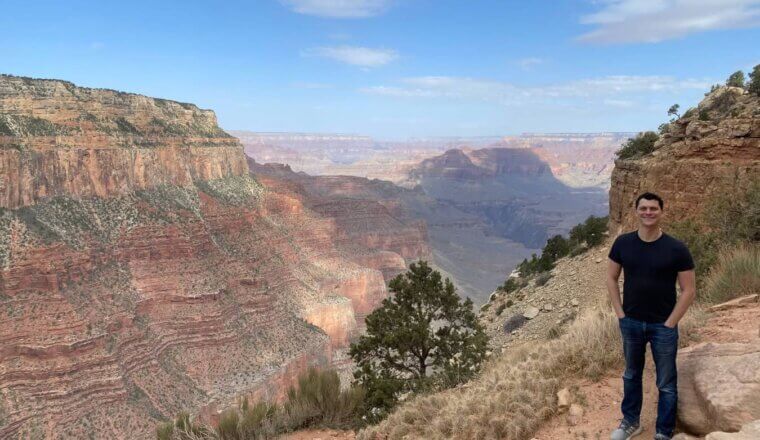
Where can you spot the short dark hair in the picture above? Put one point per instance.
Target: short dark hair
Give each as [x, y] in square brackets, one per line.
[650, 196]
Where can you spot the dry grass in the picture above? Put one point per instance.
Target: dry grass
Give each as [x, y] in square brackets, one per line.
[737, 273]
[517, 391]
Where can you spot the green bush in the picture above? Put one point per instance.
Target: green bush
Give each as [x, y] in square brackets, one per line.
[704, 115]
[754, 81]
[736, 273]
[639, 146]
[736, 79]
[543, 278]
[512, 284]
[583, 236]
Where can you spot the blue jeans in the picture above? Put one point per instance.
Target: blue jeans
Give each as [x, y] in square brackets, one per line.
[664, 342]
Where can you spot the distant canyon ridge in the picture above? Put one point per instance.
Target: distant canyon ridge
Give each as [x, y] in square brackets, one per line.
[487, 202]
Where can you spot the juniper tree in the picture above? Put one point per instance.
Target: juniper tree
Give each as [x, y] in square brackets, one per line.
[423, 337]
[754, 81]
[736, 79]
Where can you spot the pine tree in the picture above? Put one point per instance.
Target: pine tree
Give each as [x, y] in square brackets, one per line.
[423, 337]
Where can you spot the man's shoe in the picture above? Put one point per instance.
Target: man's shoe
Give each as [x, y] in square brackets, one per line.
[626, 431]
[661, 437]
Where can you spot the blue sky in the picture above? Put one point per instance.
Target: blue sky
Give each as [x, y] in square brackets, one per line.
[395, 68]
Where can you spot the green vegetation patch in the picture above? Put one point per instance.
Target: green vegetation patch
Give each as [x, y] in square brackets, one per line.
[639, 146]
[21, 126]
[235, 190]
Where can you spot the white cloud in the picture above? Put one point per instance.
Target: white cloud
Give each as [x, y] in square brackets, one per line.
[338, 8]
[612, 90]
[354, 55]
[529, 63]
[651, 21]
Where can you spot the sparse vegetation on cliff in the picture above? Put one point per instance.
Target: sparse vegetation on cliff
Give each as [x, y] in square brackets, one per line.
[638, 146]
[582, 237]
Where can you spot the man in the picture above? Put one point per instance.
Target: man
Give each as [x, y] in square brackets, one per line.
[651, 261]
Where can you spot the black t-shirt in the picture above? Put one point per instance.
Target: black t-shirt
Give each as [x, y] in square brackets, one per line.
[650, 270]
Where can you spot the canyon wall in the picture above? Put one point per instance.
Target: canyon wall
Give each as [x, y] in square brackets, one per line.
[144, 271]
[713, 150]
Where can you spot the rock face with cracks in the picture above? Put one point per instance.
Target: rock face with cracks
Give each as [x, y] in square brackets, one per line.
[696, 158]
[144, 271]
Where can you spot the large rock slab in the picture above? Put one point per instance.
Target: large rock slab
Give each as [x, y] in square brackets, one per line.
[718, 387]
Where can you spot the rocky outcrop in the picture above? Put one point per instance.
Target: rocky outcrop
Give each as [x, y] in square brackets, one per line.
[144, 271]
[57, 139]
[718, 386]
[714, 149]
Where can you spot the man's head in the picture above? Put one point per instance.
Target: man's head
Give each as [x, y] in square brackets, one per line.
[649, 209]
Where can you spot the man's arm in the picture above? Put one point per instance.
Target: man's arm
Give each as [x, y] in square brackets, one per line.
[688, 283]
[613, 289]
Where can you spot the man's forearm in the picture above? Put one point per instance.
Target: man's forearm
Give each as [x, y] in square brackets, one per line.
[613, 291]
[682, 305]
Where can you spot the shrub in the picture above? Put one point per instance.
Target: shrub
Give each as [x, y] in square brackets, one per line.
[736, 273]
[543, 278]
[591, 232]
[704, 115]
[319, 401]
[736, 218]
[512, 284]
[736, 79]
[701, 243]
[500, 309]
[754, 81]
[638, 146]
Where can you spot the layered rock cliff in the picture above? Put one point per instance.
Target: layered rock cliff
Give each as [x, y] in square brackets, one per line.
[144, 271]
[713, 149]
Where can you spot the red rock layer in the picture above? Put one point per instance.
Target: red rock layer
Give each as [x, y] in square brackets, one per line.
[696, 159]
[143, 271]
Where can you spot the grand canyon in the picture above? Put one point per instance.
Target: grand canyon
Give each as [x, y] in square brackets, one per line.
[153, 263]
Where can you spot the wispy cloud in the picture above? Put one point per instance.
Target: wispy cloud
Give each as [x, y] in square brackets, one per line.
[338, 8]
[354, 55]
[529, 63]
[651, 21]
[612, 90]
[97, 45]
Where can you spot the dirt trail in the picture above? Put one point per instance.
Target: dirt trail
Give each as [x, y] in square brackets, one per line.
[602, 399]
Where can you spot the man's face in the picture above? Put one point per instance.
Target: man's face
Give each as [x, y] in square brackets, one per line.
[649, 212]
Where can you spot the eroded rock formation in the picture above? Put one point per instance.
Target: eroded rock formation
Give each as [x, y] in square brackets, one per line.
[713, 149]
[144, 271]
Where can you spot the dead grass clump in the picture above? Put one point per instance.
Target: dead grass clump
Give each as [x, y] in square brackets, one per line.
[736, 273]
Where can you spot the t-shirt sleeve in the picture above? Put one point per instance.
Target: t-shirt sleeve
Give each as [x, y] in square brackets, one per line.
[615, 252]
[684, 261]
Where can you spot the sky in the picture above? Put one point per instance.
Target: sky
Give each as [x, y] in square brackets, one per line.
[394, 69]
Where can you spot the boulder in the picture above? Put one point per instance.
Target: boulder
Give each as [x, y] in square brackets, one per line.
[718, 386]
[564, 399]
[530, 312]
[750, 431]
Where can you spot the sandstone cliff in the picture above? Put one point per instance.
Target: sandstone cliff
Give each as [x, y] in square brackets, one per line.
[714, 148]
[144, 271]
